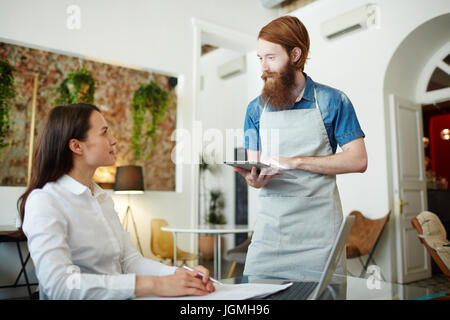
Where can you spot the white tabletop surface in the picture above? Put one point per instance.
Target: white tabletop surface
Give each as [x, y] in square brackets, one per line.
[209, 228]
[5, 228]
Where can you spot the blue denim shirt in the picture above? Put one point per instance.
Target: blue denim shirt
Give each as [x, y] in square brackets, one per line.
[337, 111]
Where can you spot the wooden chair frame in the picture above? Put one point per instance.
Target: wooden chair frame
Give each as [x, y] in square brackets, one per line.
[430, 250]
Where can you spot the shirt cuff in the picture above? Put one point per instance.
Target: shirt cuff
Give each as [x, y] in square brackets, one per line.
[346, 138]
[129, 286]
[167, 271]
[125, 288]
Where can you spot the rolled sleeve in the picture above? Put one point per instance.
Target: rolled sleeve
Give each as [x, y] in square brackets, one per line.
[251, 127]
[46, 230]
[346, 126]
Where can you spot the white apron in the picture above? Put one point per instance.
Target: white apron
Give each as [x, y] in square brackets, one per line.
[298, 218]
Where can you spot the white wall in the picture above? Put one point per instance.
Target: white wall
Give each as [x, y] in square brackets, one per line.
[357, 64]
[154, 35]
[222, 106]
[254, 88]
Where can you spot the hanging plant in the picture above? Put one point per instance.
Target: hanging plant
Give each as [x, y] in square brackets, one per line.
[7, 94]
[153, 99]
[77, 87]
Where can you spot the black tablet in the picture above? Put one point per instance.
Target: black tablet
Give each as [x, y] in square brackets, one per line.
[248, 165]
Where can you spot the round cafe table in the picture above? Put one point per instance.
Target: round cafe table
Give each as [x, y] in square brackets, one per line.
[210, 229]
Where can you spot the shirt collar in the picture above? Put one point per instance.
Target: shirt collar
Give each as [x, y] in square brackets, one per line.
[78, 188]
[99, 192]
[308, 91]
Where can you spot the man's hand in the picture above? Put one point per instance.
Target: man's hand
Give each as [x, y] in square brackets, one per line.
[256, 180]
[353, 158]
[283, 163]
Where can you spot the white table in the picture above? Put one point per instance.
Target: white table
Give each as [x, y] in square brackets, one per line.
[6, 229]
[212, 229]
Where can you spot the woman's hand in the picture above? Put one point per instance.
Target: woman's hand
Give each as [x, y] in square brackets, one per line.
[181, 283]
[209, 285]
[256, 180]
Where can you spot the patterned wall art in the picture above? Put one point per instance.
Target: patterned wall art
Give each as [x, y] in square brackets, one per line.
[114, 89]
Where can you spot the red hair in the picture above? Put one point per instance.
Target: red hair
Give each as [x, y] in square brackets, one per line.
[289, 32]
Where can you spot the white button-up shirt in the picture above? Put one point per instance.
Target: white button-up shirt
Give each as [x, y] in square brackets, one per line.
[78, 246]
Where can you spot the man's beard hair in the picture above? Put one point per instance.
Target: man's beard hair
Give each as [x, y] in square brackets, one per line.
[279, 91]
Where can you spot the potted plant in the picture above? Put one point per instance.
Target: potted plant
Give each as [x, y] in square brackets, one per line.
[214, 216]
[149, 98]
[77, 87]
[203, 167]
[216, 206]
[7, 94]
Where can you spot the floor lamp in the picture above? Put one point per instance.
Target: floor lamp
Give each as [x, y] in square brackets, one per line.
[129, 180]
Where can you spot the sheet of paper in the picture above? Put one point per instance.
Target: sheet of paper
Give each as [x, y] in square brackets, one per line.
[231, 292]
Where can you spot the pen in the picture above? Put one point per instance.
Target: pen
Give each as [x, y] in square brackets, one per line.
[201, 274]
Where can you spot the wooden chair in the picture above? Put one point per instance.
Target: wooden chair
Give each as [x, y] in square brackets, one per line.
[364, 237]
[237, 255]
[19, 237]
[161, 243]
[433, 253]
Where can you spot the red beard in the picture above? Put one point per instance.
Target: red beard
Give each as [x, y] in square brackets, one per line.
[279, 91]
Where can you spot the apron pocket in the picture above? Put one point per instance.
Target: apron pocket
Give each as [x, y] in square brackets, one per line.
[267, 228]
[306, 222]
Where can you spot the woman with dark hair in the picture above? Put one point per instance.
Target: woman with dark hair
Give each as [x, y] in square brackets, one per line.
[75, 238]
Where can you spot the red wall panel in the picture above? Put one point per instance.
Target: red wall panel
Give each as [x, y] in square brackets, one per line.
[439, 148]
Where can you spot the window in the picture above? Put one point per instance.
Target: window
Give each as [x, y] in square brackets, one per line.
[439, 79]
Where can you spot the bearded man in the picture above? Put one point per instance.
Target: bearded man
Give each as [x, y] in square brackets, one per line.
[299, 123]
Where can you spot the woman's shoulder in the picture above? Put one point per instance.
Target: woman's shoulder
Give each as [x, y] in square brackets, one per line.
[48, 190]
[43, 208]
[43, 197]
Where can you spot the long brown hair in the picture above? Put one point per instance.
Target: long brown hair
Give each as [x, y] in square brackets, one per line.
[52, 157]
[289, 32]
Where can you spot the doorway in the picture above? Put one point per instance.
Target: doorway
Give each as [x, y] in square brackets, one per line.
[220, 100]
[413, 79]
[436, 128]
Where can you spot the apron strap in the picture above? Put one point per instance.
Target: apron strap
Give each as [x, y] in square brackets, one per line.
[265, 106]
[315, 98]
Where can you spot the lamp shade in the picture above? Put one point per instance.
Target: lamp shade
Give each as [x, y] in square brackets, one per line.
[129, 179]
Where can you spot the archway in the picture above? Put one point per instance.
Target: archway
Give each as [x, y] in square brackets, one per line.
[404, 79]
